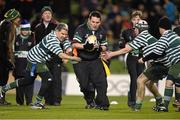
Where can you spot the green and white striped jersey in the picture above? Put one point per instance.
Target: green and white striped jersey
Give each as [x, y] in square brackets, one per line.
[168, 44]
[142, 40]
[46, 48]
[149, 49]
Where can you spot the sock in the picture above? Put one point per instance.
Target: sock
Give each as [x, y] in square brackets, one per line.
[138, 104]
[9, 86]
[178, 96]
[38, 99]
[167, 96]
[158, 100]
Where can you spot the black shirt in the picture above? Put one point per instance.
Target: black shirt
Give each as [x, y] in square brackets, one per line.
[81, 34]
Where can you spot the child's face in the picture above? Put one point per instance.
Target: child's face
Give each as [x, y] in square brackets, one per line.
[25, 32]
[135, 20]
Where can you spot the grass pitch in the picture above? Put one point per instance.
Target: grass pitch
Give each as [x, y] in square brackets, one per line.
[72, 107]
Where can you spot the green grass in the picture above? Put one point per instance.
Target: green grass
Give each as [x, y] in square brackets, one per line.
[73, 108]
[117, 67]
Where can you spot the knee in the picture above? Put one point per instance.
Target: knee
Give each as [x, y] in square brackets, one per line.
[169, 83]
[141, 80]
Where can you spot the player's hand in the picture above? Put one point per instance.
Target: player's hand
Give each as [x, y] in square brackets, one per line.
[78, 59]
[108, 55]
[141, 61]
[96, 46]
[68, 51]
[102, 55]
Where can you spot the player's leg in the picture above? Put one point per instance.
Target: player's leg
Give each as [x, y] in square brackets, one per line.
[132, 70]
[45, 83]
[173, 77]
[17, 83]
[4, 73]
[154, 90]
[82, 73]
[99, 80]
[141, 83]
[28, 91]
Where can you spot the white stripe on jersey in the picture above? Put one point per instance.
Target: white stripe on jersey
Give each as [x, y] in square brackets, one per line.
[142, 40]
[43, 51]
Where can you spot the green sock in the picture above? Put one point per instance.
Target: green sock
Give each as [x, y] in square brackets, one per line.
[38, 99]
[138, 104]
[9, 86]
[167, 96]
[158, 100]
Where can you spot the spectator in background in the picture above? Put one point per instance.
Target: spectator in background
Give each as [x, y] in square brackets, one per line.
[90, 4]
[126, 24]
[170, 10]
[23, 43]
[8, 33]
[115, 10]
[116, 27]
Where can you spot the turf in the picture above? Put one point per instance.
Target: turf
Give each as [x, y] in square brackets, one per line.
[72, 107]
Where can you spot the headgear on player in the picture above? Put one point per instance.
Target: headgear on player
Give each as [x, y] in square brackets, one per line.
[142, 25]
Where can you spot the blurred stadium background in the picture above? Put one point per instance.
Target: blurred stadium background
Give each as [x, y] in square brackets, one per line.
[116, 18]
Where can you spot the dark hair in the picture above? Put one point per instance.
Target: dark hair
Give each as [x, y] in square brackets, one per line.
[95, 14]
[61, 26]
[165, 23]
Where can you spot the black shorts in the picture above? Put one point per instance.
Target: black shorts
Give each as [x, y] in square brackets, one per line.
[156, 71]
[174, 74]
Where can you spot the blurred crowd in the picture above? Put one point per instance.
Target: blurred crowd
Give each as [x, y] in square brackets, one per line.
[116, 13]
